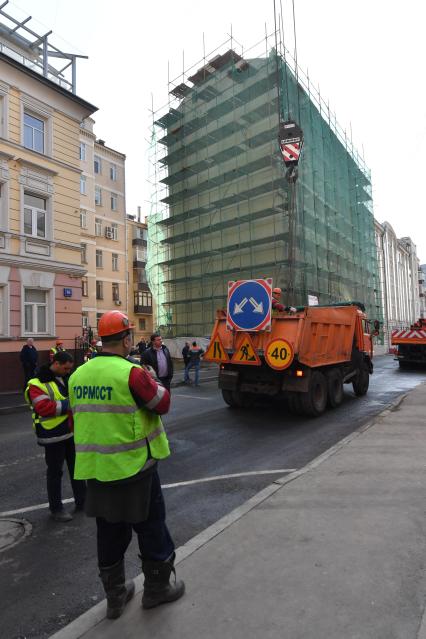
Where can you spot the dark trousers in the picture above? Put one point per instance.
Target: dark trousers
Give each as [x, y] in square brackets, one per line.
[55, 455]
[155, 542]
[166, 381]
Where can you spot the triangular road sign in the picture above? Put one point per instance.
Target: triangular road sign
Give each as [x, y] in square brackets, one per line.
[246, 353]
[216, 351]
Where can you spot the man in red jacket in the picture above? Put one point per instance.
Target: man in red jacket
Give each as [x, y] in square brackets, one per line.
[47, 393]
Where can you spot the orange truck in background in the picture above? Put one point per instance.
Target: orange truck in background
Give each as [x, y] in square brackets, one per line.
[411, 344]
[307, 357]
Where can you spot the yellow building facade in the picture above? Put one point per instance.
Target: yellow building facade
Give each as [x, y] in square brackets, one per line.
[40, 243]
[140, 299]
[102, 228]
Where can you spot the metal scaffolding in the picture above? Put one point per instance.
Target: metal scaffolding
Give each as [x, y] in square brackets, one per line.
[220, 204]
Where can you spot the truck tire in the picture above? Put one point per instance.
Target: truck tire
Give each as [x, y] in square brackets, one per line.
[314, 401]
[237, 399]
[361, 381]
[294, 403]
[334, 388]
[403, 364]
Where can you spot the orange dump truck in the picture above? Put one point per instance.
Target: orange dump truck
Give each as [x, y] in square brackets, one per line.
[411, 343]
[307, 356]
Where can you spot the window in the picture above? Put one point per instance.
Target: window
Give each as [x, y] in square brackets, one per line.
[85, 321]
[140, 254]
[99, 258]
[114, 201]
[83, 253]
[82, 151]
[98, 226]
[115, 292]
[34, 215]
[113, 172]
[114, 228]
[97, 164]
[99, 291]
[141, 234]
[33, 133]
[82, 185]
[98, 195]
[35, 311]
[98, 317]
[143, 298]
[142, 324]
[84, 287]
[114, 262]
[83, 219]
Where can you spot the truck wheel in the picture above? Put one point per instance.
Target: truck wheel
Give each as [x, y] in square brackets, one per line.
[361, 381]
[294, 403]
[229, 398]
[315, 400]
[236, 399]
[334, 388]
[403, 364]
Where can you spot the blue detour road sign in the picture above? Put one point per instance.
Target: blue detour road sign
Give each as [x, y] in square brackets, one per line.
[249, 305]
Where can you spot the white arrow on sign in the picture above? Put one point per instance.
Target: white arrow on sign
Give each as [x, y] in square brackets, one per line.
[238, 308]
[257, 307]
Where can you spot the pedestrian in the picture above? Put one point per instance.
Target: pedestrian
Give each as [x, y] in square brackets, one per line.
[276, 302]
[59, 347]
[195, 354]
[141, 346]
[119, 439]
[29, 358]
[185, 355]
[158, 356]
[47, 393]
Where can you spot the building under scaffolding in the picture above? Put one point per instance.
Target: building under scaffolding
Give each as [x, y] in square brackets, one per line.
[221, 203]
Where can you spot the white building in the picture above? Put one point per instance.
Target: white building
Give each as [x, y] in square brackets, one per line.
[400, 278]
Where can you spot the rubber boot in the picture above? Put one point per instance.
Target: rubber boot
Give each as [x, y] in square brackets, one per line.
[157, 586]
[117, 589]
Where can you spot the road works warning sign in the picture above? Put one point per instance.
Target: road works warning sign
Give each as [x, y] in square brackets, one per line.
[216, 351]
[246, 353]
[279, 354]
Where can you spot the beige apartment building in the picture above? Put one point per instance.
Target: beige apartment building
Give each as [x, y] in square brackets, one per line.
[40, 201]
[103, 228]
[140, 299]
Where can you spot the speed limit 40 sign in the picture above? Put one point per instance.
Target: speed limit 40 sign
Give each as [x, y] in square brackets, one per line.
[279, 354]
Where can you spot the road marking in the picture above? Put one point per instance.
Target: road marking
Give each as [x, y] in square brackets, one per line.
[28, 509]
[218, 477]
[209, 399]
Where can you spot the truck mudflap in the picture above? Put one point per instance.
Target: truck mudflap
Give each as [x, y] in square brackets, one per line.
[228, 380]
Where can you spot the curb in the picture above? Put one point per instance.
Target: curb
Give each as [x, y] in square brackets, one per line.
[92, 617]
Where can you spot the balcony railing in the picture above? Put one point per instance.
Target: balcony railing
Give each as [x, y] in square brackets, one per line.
[146, 310]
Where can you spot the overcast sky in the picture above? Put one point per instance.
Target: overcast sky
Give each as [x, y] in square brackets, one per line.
[367, 56]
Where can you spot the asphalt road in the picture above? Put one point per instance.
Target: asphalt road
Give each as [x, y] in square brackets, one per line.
[50, 578]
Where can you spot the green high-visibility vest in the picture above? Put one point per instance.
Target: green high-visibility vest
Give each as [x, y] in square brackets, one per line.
[43, 424]
[112, 435]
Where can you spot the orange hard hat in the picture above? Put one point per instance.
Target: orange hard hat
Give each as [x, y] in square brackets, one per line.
[112, 323]
[277, 290]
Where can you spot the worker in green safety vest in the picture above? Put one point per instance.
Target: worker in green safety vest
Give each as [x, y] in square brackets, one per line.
[119, 438]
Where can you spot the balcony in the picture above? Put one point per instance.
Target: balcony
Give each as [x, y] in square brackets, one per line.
[137, 263]
[146, 310]
[138, 241]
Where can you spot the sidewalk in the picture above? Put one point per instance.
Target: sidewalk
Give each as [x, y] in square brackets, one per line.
[334, 551]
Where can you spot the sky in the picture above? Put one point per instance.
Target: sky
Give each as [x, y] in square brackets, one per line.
[367, 57]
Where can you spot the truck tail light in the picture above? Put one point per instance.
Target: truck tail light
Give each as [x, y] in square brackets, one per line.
[299, 373]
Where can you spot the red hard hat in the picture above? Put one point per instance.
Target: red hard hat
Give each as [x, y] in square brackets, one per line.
[112, 323]
[276, 290]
